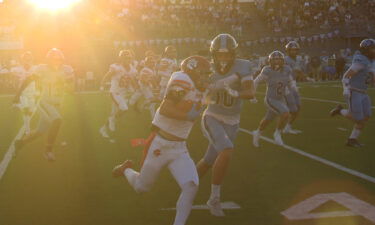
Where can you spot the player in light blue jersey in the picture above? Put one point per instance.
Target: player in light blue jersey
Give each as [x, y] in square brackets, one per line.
[51, 81]
[278, 78]
[355, 84]
[231, 83]
[293, 99]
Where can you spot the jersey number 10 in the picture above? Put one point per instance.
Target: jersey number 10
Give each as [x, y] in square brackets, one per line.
[222, 98]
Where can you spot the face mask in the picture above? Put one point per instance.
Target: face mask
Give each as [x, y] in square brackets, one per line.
[223, 65]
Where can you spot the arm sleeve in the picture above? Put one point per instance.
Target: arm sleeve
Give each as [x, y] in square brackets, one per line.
[260, 78]
[356, 67]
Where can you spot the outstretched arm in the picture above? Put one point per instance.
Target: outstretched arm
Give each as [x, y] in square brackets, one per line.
[24, 84]
[107, 76]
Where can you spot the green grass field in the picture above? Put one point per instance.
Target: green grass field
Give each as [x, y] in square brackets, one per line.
[78, 188]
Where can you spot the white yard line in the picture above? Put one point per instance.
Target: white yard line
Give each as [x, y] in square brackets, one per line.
[319, 159]
[317, 100]
[10, 152]
[327, 101]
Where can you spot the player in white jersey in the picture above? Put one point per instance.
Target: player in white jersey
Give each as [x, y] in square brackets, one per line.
[148, 83]
[172, 123]
[122, 76]
[52, 80]
[28, 98]
[166, 66]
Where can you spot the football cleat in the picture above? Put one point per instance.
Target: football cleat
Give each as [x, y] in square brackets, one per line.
[277, 138]
[353, 143]
[50, 156]
[256, 136]
[119, 169]
[336, 111]
[215, 207]
[103, 131]
[288, 130]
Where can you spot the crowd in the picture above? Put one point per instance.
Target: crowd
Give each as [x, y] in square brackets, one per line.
[298, 15]
[163, 20]
[152, 24]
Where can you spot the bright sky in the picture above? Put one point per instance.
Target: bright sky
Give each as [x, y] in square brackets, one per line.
[53, 5]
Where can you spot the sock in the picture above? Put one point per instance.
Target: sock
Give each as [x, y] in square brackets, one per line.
[215, 191]
[277, 131]
[26, 120]
[355, 133]
[344, 112]
[131, 175]
[152, 109]
[185, 203]
[288, 126]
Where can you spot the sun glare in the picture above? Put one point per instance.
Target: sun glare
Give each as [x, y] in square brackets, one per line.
[53, 5]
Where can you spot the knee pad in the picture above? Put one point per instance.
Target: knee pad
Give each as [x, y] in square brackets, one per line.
[190, 187]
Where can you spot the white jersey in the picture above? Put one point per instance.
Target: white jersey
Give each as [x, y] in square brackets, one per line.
[51, 82]
[21, 72]
[166, 67]
[121, 79]
[180, 128]
[147, 77]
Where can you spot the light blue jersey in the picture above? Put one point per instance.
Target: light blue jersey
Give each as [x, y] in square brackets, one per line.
[293, 64]
[363, 78]
[221, 102]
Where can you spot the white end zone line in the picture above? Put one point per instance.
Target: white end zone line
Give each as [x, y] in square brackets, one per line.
[319, 159]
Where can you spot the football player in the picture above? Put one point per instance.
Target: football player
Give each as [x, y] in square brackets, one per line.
[166, 66]
[122, 75]
[231, 83]
[279, 80]
[355, 83]
[28, 97]
[52, 80]
[293, 98]
[172, 124]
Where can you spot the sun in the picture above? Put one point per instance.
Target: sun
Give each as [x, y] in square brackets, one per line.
[53, 5]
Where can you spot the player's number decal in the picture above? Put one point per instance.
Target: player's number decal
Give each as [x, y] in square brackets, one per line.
[280, 88]
[222, 98]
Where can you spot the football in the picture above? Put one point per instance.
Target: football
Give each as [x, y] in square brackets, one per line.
[186, 106]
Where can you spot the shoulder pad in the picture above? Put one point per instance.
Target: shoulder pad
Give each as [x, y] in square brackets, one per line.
[288, 69]
[361, 59]
[266, 70]
[181, 79]
[243, 67]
